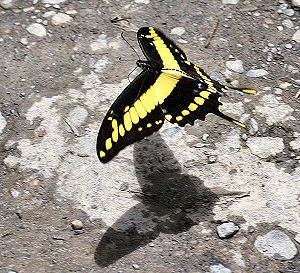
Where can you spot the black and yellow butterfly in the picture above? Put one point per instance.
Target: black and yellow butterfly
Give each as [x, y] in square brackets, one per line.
[169, 87]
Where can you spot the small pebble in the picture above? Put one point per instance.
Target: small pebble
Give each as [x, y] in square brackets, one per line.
[244, 137]
[77, 224]
[178, 31]
[58, 237]
[205, 136]
[235, 66]
[256, 73]
[278, 91]
[230, 2]
[61, 18]
[49, 14]
[227, 230]
[280, 28]
[253, 126]
[288, 23]
[285, 85]
[37, 29]
[289, 12]
[219, 268]
[288, 46]
[53, 2]
[136, 266]
[24, 41]
[276, 244]
[3, 123]
[7, 4]
[296, 36]
[296, 3]
[146, 2]
[14, 193]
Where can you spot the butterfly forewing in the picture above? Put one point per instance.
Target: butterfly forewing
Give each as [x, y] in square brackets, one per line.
[134, 115]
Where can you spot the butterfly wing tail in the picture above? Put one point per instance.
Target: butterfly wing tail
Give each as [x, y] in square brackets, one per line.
[218, 113]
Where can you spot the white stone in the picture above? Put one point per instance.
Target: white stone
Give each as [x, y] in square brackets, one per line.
[235, 66]
[253, 126]
[100, 64]
[7, 4]
[24, 41]
[255, 73]
[53, 2]
[230, 2]
[178, 31]
[49, 14]
[295, 144]
[61, 18]
[289, 12]
[296, 3]
[219, 268]
[264, 147]
[288, 23]
[78, 115]
[37, 29]
[142, 1]
[14, 193]
[2, 123]
[273, 109]
[276, 244]
[296, 36]
[227, 230]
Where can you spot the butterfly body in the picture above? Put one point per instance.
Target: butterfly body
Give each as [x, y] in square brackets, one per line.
[169, 87]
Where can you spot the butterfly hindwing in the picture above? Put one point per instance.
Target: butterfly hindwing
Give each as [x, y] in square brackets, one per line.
[190, 100]
[133, 116]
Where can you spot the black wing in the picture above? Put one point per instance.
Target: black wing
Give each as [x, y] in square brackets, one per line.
[192, 99]
[158, 49]
[134, 115]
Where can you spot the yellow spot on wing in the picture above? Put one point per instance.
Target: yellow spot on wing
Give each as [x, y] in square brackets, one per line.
[179, 118]
[134, 115]
[140, 109]
[149, 125]
[204, 94]
[164, 86]
[110, 118]
[126, 109]
[193, 106]
[121, 130]
[127, 121]
[115, 134]
[108, 144]
[185, 112]
[168, 117]
[102, 154]
[163, 51]
[187, 62]
[140, 128]
[147, 101]
[199, 100]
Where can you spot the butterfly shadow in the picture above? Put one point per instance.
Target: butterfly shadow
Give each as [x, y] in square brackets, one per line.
[169, 202]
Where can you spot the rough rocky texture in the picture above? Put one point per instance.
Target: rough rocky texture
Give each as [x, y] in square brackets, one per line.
[276, 244]
[161, 200]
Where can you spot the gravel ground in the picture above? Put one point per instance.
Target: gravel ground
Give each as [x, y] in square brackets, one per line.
[206, 198]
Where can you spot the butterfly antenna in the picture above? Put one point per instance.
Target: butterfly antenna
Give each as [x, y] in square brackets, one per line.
[131, 73]
[122, 35]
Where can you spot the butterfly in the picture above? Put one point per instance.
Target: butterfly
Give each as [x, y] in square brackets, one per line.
[169, 87]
